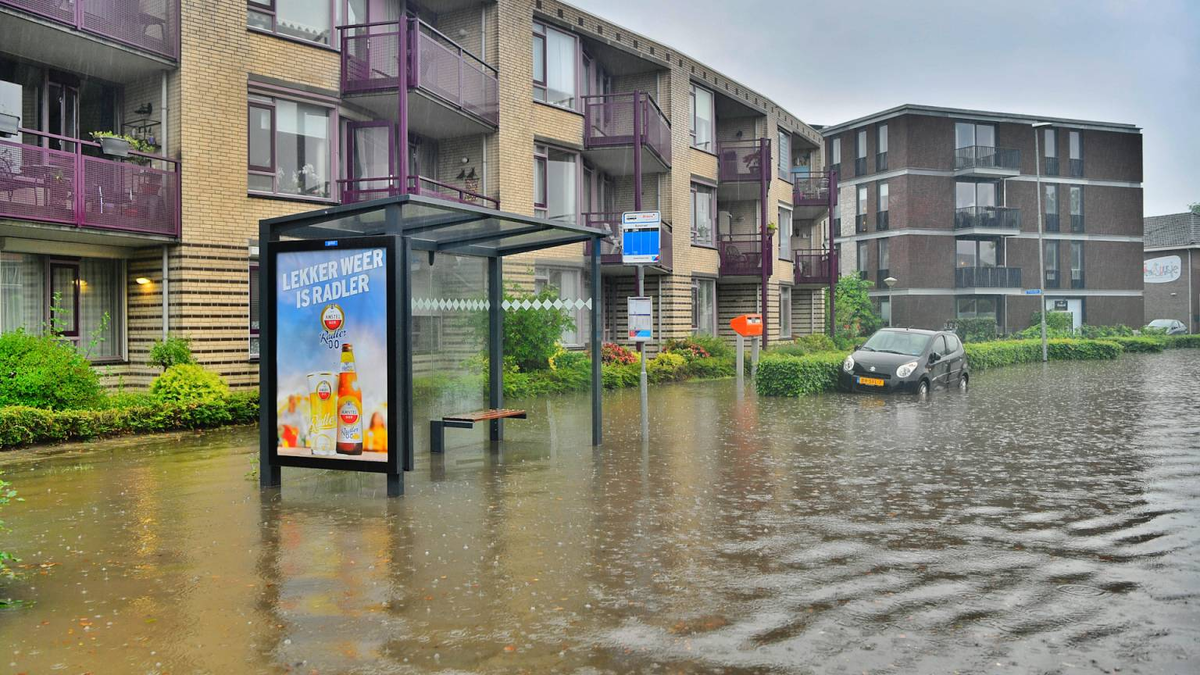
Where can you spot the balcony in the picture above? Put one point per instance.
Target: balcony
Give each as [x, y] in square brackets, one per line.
[743, 169]
[89, 191]
[612, 124]
[811, 194]
[986, 161]
[610, 246]
[455, 92]
[149, 25]
[742, 255]
[365, 189]
[987, 277]
[989, 220]
[812, 266]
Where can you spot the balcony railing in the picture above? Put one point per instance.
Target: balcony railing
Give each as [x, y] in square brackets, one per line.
[742, 255]
[995, 217]
[1052, 279]
[1051, 222]
[987, 277]
[150, 25]
[987, 157]
[812, 267]
[881, 221]
[1076, 166]
[610, 246]
[68, 187]
[609, 121]
[810, 189]
[1077, 222]
[437, 65]
[365, 189]
[744, 160]
[1051, 166]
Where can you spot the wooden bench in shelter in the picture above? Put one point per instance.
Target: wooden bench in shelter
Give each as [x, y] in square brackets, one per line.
[437, 428]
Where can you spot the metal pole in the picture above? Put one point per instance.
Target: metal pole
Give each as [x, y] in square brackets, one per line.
[1037, 163]
[833, 260]
[166, 303]
[741, 361]
[496, 343]
[764, 173]
[597, 376]
[402, 102]
[268, 474]
[640, 269]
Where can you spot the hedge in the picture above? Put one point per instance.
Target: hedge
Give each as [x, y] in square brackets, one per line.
[21, 425]
[986, 355]
[783, 375]
[1182, 341]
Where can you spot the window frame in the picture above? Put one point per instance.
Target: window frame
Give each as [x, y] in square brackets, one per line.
[1050, 196]
[883, 250]
[784, 161]
[785, 311]
[254, 281]
[862, 257]
[710, 144]
[1050, 264]
[541, 153]
[541, 161]
[576, 66]
[835, 152]
[861, 204]
[882, 204]
[271, 8]
[696, 190]
[255, 99]
[541, 272]
[711, 284]
[784, 236]
[881, 146]
[1078, 273]
[1077, 219]
[860, 152]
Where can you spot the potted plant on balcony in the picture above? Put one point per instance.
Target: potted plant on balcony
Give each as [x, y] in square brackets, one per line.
[119, 145]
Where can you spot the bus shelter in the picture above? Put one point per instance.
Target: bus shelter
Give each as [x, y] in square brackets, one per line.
[339, 288]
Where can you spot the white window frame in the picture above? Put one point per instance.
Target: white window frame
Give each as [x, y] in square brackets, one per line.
[784, 229]
[785, 311]
[699, 283]
[544, 31]
[785, 154]
[702, 191]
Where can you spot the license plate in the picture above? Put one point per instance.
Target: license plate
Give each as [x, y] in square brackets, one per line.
[871, 381]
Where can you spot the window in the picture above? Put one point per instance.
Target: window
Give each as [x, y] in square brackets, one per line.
[973, 308]
[426, 333]
[254, 310]
[1050, 261]
[1050, 207]
[881, 215]
[1050, 150]
[860, 152]
[975, 253]
[884, 260]
[885, 310]
[308, 20]
[860, 213]
[881, 149]
[862, 259]
[1076, 193]
[785, 233]
[704, 306]
[1075, 150]
[556, 185]
[1077, 264]
[969, 134]
[703, 115]
[835, 151]
[555, 64]
[84, 298]
[568, 282]
[785, 311]
[704, 211]
[785, 155]
[288, 149]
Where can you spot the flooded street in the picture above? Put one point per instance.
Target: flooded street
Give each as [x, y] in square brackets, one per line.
[1047, 521]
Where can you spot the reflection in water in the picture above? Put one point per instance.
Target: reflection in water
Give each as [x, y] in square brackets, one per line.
[1047, 518]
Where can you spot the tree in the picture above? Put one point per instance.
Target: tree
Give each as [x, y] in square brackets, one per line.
[1195, 207]
[855, 313]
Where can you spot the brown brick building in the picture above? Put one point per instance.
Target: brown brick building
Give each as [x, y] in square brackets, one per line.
[1171, 269]
[261, 108]
[945, 201]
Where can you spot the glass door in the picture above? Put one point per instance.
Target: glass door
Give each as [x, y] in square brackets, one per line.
[63, 113]
[62, 307]
[372, 166]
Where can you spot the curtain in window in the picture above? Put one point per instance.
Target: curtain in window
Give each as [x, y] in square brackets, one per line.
[22, 292]
[560, 68]
[562, 186]
[100, 286]
[302, 149]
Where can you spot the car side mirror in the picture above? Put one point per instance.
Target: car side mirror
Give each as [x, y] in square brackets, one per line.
[934, 357]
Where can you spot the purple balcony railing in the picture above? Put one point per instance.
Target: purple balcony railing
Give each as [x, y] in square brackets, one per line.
[69, 187]
[742, 255]
[610, 246]
[371, 62]
[609, 122]
[812, 267]
[744, 160]
[151, 25]
[354, 190]
[811, 189]
[365, 189]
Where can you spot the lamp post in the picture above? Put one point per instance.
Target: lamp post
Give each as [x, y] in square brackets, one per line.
[1037, 163]
[890, 281]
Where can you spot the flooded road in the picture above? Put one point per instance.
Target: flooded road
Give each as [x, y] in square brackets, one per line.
[1047, 521]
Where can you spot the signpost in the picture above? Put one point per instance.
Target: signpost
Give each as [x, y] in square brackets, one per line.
[641, 245]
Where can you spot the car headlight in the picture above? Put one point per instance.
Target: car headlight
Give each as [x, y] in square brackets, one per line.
[906, 369]
[848, 364]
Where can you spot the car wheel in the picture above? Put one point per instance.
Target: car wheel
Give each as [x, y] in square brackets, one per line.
[962, 382]
[923, 389]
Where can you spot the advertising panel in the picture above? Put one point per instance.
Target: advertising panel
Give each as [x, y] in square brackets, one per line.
[1162, 270]
[331, 353]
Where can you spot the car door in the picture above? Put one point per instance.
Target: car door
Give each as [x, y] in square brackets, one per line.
[956, 356]
[939, 368]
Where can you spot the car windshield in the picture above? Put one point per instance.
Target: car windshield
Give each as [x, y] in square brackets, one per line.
[1161, 323]
[897, 342]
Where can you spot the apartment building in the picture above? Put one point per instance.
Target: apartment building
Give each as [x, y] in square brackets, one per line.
[1170, 268]
[946, 202]
[250, 109]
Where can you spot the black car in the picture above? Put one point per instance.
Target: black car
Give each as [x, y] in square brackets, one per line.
[906, 359]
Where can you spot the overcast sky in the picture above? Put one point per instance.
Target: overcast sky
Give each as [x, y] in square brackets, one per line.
[1134, 61]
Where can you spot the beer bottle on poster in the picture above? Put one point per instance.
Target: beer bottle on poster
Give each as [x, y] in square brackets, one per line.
[349, 402]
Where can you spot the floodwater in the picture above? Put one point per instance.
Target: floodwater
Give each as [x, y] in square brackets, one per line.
[1046, 521]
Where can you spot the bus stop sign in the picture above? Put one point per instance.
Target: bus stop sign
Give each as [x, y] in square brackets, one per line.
[641, 233]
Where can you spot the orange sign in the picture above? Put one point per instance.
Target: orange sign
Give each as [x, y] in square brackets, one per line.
[747, 325]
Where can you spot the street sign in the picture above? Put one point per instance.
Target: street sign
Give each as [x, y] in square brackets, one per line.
[641, 237]
[641, 319]
[1033, 291]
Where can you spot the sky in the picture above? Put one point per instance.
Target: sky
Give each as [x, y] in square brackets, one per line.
[1133, 61]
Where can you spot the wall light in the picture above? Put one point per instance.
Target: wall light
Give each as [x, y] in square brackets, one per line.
[142, 281]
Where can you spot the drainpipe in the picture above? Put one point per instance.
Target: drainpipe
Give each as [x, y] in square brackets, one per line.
[1192, 309]
[166, 317]
[833, 260]
[764, 173]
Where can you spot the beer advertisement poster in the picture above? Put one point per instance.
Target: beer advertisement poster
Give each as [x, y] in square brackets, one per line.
[331, 354]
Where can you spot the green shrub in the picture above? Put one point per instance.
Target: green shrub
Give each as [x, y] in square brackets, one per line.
[185, 383]
[714, 346]
[1140, 345]
[986, 355]
[782, 375]
[978, 329]
[855, 314]
[1182, 341]
[1057, 321]
[1080, 350]
[618, 376]
[805, 344]
[611, 352]
[171, 351]
[1100, 332]
[849, 344]
[712, 367]
[531, 336]
[666, 367]
[41, 371]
